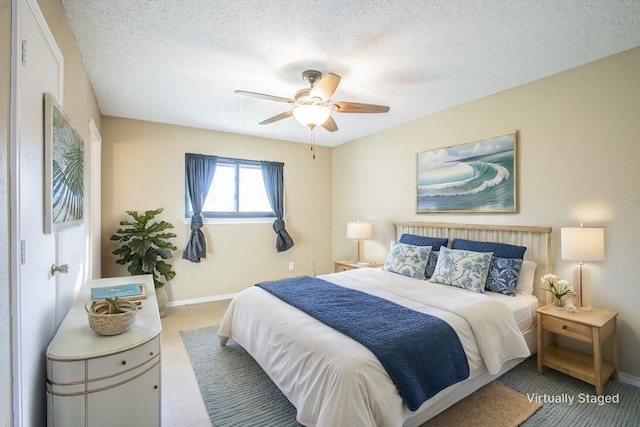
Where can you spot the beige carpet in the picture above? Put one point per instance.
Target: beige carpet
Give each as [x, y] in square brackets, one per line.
[494, 405]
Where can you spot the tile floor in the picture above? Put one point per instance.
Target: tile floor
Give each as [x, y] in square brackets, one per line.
[181, 400]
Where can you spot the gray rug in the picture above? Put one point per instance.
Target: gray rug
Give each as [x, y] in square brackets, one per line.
[235, 389]
[237, 392]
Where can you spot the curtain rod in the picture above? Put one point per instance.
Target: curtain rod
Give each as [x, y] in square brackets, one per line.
[233, 159]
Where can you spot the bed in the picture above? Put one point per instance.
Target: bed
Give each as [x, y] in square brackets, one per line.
[334, 380]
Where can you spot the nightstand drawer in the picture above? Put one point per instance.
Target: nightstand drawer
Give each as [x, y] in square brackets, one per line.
[567, 328]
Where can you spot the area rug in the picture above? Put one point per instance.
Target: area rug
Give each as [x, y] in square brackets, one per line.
[237, 392]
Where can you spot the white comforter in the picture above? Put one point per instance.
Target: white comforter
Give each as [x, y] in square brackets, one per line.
[333, 380]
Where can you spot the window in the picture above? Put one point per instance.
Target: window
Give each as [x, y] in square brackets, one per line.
[237, 191]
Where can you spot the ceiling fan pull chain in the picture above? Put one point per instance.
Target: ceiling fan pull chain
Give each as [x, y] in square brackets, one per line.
[313, 142]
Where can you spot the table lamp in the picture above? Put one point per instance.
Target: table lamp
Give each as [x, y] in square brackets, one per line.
[359, 231]
[582, 244]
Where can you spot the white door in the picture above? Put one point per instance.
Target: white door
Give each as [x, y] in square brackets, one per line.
[38, 70]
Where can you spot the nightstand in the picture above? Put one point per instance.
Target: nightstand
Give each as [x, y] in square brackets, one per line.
[588, 326]
[352, 265]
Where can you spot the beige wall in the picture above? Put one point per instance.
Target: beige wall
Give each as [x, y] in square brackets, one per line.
[143, 168]
[578, 149]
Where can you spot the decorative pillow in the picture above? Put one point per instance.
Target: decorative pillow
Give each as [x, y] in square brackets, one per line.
[501, 250]
[408, 260]
[526, 278]
[434, 242]
[431, 263]
[463, 269]
[503, 275]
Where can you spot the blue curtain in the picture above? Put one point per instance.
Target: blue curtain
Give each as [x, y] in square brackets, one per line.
[274, 184]
[199, 170]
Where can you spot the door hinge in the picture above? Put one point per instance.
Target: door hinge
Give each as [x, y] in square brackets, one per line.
[24, 53]
[23, 252]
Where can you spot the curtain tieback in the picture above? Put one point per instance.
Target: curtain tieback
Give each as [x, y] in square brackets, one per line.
[278, 225]
[196, 222]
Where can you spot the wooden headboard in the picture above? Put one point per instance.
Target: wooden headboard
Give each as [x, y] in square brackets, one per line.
[536, 239]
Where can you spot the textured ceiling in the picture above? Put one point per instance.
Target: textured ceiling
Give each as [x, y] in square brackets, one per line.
[179, 62]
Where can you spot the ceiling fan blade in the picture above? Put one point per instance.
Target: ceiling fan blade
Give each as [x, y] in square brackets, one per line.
[265, 96]
[356, 107]
[326, 87]
[330, 124]
[280, 116]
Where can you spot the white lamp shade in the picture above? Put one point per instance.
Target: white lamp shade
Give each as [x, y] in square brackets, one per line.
[311, 115]
[582, 244]
[359, 230]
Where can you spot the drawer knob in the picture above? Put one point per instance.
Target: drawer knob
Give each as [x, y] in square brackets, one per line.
[564, 326]
[155, 387]
[124, 362]
[151, 353]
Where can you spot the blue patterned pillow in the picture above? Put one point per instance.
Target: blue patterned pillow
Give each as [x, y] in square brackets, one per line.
[434, 242]
[408, 260]
[431, 263]
[414, 239]
[463, 269]
[503, 275]
[502, 250]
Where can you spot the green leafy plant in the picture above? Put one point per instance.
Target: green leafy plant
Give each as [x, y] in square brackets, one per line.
[114, 306]
[145, 245]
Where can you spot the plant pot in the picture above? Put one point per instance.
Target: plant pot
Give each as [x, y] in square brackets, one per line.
[104, 323]
[162, 297]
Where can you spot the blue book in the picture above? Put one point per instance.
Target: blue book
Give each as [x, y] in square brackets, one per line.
[117, 291]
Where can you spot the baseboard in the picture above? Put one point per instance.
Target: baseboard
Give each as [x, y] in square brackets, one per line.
[629, 379]
[200, 300]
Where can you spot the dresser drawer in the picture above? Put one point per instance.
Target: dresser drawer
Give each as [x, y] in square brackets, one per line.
[567, 328]
[121, 362]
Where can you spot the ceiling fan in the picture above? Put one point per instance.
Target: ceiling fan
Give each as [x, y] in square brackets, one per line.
[312, 106]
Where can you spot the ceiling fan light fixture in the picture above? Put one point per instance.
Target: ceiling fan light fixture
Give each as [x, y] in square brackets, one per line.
[311, 115]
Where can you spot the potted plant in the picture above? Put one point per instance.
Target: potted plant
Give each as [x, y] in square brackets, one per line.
[144, 247]
[111, 316]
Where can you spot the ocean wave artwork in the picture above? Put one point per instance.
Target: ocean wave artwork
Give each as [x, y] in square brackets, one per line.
[478, 176]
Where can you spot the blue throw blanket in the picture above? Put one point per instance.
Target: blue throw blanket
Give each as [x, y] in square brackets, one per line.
[421, 353]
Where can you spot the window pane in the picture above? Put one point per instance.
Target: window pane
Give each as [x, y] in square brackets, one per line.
[221, 197]
[252, 194]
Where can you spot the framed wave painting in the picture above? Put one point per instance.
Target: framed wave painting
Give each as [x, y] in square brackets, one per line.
[63, 171]
[479, 176]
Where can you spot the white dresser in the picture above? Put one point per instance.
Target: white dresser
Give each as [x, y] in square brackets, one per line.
[100, 381]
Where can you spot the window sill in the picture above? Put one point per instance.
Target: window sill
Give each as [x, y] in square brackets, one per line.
[265, 220]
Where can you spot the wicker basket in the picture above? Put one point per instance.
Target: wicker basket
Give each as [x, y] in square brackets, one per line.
[104, 323]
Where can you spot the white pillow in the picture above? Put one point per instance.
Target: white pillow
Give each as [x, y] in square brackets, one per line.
[462, 269]
[526, 278]
[408, 260]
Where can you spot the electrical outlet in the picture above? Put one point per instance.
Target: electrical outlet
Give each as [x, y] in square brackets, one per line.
[291, 265]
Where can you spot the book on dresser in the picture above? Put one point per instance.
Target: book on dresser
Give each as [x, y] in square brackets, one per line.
[125, 291]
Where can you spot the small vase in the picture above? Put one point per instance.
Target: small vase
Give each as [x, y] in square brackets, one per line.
[558, 303]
